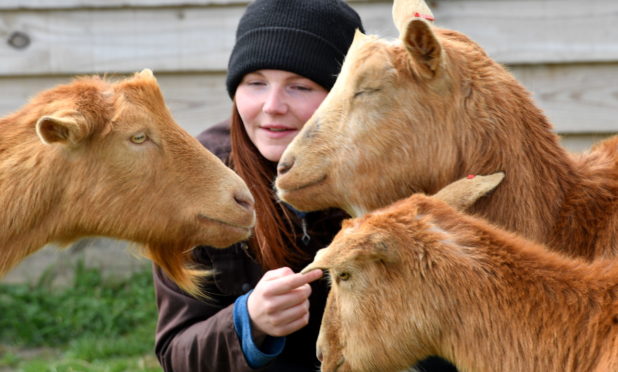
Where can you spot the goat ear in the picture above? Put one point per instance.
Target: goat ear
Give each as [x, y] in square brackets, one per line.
[382, 252]
[463, 193]
[68, 128]
[146, 74]
[404, 10]
[423, 46]
[319, 262]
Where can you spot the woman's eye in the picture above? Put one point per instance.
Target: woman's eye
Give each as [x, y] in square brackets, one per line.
[301, 88]
[139, 138]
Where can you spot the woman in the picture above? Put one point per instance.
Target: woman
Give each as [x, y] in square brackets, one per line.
[286, 57]
[262, 314]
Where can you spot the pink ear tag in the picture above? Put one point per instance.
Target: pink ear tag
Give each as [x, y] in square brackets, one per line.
[426, 16]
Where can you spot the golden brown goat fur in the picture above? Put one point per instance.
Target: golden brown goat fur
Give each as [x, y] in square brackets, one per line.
[95, 157]
[418, 278]
[415, 114]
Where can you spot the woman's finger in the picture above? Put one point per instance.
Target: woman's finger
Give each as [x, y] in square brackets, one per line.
[274, 304]
[277, 273]
[287, 283]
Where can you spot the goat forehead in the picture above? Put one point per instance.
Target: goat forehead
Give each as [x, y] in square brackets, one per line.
[371, 62]
[360, 236]
[128, 116]
[141, 111]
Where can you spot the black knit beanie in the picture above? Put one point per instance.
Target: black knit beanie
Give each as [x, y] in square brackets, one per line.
[307, 37]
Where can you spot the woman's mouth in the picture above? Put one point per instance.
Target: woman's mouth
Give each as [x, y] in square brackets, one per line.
[278, 131]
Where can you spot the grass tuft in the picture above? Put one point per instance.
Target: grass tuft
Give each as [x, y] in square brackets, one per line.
[93, 324]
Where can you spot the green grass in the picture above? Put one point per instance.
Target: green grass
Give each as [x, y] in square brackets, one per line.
[94, 324]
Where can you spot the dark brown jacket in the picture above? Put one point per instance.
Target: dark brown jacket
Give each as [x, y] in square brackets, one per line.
[194, 335]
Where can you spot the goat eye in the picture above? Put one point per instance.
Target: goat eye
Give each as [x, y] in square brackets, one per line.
[138, 138]
[366, 91]
[344, 276]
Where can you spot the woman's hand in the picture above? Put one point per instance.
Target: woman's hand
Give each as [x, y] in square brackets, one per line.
[279, 304]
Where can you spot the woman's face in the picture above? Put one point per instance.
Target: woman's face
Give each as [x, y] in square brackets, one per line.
[274, 105]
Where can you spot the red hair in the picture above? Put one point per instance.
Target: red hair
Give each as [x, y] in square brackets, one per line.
[274, 240]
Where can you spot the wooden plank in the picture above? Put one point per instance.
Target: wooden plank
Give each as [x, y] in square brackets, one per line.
[200, 38]
[195, 100]
[98, 41]
[577, 98]
[72, 4]
[581, 141]
[516, 32]
[539, 31]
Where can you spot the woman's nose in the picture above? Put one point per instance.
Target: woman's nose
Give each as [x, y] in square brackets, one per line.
[275, 103]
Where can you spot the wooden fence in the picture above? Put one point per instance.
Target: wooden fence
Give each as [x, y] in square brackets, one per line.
[565, 52]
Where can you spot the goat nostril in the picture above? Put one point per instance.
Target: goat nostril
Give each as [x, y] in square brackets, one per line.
[284, 167]
[244, 202]
[319, 355]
